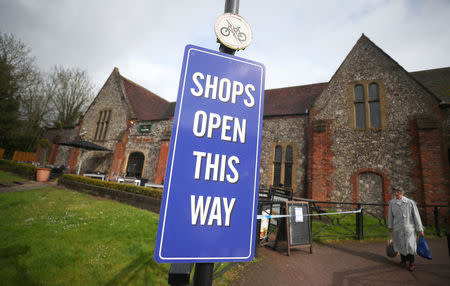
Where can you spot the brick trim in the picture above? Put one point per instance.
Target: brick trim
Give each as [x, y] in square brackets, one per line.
[386, 183]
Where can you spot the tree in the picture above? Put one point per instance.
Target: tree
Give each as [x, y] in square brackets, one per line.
[69, 91]
[18, 73]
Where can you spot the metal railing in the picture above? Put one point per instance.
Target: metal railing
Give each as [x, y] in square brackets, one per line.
[370, 222]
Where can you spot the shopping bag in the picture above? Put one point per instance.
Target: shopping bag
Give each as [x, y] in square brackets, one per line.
[423, 249]
[390, 249]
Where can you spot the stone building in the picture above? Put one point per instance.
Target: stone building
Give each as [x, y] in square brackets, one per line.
[373, 125]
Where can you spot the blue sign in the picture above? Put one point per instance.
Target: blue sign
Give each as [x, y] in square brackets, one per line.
[209, 204]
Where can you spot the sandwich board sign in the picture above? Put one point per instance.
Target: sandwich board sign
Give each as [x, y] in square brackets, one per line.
[209, 205]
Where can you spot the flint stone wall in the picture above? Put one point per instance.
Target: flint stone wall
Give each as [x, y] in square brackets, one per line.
[111, 98]
[148, 144]
[387, 150]
[283, 131]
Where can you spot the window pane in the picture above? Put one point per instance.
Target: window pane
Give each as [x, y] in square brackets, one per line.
[288, 175]
[277, 166]
[373, 92]
[359, 93]
[96, 131]
[98, 124]
[106, 123]
[276, 174]
[288, 153]
[375, 114]
[360, 115]
[277, 154]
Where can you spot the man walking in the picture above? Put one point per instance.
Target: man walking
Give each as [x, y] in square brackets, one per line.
[403, 222]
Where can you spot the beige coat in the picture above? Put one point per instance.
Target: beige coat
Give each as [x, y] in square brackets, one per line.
[404, 219]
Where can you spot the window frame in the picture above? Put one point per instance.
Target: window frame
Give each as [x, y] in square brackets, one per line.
[367, 108]
[282, 165]
[103, 121]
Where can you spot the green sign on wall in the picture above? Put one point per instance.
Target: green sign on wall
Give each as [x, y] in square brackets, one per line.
[145, 128]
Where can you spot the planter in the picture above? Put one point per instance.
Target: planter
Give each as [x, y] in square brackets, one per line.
[42, 174]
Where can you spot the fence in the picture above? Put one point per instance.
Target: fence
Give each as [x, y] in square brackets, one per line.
[370, 222]
[24, 156]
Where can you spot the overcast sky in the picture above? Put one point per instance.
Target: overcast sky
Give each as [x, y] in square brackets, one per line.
[299, 42]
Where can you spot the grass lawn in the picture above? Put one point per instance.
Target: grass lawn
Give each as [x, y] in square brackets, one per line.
[59, 237]
[7, 177]
[343, 227]
[56, 236]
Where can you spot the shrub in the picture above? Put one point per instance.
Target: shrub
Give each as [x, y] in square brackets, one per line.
[21, 169]
[151, 192]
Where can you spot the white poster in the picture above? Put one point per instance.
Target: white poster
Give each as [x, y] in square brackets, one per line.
[298, 215]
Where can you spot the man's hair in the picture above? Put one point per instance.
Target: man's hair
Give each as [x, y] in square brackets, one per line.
[398, 189]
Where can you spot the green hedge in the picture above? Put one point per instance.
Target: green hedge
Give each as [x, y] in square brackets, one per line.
[151, 192]
[21, 169]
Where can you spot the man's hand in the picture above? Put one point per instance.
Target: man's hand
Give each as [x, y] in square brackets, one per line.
[421, 233]
[390, 230]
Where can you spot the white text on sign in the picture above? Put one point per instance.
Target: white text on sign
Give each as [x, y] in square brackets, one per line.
[209, 125]
[223, 89]
[200, 209]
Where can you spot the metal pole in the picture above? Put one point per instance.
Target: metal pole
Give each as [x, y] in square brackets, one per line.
[359, 224]
[436, 221]
[231, 6]
[203, 274]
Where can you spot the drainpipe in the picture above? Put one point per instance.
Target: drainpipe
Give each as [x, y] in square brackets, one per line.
[305, 179]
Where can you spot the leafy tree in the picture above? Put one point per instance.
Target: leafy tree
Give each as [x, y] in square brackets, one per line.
[69, 91]
[18, 73]
[29, 100]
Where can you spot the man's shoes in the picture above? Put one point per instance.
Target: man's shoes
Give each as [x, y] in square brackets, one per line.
[412, 267]
[403, 264]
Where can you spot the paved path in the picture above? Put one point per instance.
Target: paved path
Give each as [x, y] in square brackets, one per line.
[25, 186]
[345, 263]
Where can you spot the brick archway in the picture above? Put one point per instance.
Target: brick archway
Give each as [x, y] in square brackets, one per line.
[386, 183]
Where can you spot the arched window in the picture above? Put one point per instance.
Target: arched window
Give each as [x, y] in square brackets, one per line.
[284, 158]
[277, 166]
[366, 100]
[288, 167]
[374, 106]
[360, 107]
[135, 165]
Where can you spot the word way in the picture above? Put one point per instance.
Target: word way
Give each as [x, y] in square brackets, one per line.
[200, 209]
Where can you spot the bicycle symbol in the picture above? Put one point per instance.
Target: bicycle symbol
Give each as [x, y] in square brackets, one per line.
[226, 31]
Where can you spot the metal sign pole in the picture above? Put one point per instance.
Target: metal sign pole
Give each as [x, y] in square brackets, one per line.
[203, 274]
[204, 271]
[231, 6]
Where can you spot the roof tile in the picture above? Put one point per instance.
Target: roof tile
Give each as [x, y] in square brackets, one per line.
[291, 100]
[146, 105]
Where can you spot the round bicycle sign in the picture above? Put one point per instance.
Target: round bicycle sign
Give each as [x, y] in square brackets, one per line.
[233, 31]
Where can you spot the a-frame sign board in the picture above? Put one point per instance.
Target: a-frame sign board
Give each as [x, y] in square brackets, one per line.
[298, 225]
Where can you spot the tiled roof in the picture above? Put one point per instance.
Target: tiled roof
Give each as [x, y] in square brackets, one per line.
[145, 104]
[291, 100]
[277, 102]
[170, 111]
[436, 81]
